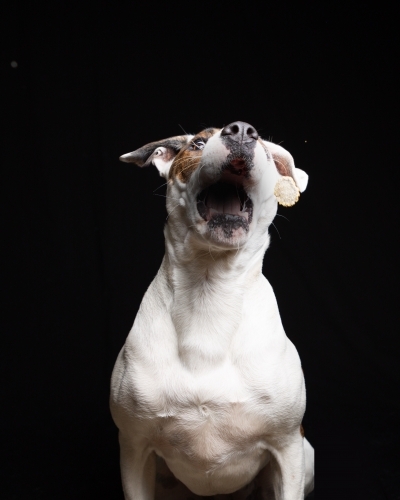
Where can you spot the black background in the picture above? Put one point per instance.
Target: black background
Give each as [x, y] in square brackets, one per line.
[83, 232]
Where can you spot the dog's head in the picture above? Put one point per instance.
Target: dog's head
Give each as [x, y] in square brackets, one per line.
[223, 184]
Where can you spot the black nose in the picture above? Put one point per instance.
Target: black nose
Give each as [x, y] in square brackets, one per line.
[240, 132]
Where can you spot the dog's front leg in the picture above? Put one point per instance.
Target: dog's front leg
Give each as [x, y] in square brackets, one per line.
[138, 470]
[289, 476]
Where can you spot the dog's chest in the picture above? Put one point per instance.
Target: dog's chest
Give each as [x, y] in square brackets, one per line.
[217, 425]
[223, 411]
[209, 432]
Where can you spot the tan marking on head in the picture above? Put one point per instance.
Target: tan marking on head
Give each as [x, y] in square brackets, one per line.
[185, 163]
[188, 158]
[302, 430]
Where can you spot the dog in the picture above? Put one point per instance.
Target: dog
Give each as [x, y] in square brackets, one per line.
[208, 393]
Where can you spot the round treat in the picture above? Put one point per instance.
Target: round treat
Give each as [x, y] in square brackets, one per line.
[286, 191]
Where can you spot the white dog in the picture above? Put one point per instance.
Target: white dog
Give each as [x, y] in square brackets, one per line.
[208, 392]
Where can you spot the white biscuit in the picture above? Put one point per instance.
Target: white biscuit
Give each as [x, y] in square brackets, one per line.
[286, 191]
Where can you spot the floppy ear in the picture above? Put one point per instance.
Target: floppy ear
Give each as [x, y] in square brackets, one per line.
[285, 165]
[159, 153]
[300, 178]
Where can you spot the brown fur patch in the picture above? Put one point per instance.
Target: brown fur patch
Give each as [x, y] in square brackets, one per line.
[185, 163]
[302, 430]
[188, 158]
[282, 164]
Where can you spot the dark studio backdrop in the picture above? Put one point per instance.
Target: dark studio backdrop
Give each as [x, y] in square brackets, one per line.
[83, 232]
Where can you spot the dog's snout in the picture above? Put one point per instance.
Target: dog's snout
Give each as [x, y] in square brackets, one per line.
[240, 132]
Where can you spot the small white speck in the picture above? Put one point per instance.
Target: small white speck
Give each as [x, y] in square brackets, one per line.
[305, 141]
[14, 64]
[182, 202]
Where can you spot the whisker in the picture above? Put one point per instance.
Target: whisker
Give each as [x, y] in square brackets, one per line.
[279, 215]
[184, 131]
[276, 230]
[165, 183]
[203, 254]
[168, 197]
[190, 165]
[169, 213]
[209, 250]
[184, 160]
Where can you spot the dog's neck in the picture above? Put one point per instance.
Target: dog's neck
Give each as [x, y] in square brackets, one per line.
[208, 288]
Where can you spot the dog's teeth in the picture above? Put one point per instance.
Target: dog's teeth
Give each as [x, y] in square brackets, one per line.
[224, 199]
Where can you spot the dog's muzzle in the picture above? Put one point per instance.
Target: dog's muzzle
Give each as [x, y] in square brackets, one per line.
[226, 204]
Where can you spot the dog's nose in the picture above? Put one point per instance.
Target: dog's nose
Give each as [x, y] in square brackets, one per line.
[240, 132]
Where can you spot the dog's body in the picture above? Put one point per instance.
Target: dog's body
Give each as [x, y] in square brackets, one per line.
[207, 381]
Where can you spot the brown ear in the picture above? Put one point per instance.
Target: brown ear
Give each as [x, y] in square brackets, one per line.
[285, 165]
[283, 159]
[144, 156]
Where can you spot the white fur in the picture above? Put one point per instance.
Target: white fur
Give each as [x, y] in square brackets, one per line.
[207, 378]
[162, 166]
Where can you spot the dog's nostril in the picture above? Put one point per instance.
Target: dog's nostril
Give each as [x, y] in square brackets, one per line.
[251, 132]
[235, 129]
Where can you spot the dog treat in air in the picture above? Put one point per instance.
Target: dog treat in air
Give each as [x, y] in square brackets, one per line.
[286, 191]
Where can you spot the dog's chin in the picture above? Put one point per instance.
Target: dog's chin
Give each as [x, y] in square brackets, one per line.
[227, 230]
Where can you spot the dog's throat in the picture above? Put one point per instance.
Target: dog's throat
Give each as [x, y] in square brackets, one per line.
[224, 199]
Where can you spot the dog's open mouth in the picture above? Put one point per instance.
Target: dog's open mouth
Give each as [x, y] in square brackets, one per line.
[226, 204]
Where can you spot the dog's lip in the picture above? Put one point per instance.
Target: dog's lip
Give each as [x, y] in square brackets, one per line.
[238, 167]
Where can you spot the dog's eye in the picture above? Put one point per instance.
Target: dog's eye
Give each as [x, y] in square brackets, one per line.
[197, 144]
[159, 151]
